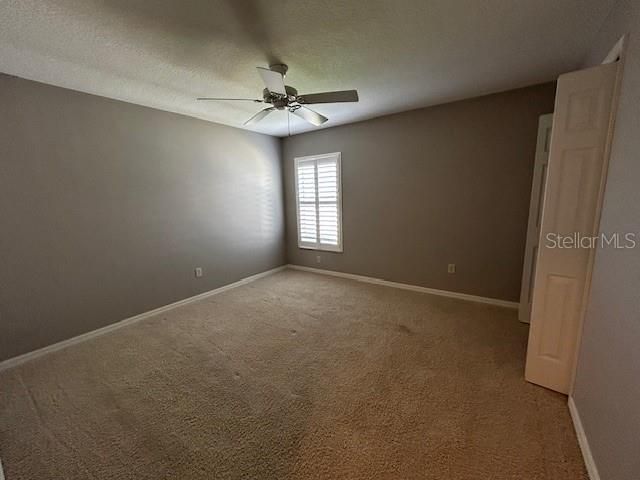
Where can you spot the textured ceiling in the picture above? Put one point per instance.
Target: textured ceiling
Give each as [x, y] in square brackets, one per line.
[399, 54]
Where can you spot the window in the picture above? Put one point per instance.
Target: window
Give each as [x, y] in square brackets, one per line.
[319, 202]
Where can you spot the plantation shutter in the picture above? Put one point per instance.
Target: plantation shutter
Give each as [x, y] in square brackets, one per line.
[318, 198]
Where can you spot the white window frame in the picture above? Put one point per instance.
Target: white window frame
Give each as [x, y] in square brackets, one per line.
[317, 245]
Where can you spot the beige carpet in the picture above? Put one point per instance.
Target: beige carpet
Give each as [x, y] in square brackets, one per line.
[295, 376]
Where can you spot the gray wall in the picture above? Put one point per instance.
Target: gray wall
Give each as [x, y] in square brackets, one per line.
[607, 389]
[421, 189]
[107, 207]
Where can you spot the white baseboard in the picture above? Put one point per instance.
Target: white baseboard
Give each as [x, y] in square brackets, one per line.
[404, 286]
[12, 362]
[589, 462]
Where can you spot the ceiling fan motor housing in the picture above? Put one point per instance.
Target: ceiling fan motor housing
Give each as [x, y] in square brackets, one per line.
[280, 101]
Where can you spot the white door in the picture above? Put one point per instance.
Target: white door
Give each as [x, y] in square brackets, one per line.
[535, 215]
[575, 182]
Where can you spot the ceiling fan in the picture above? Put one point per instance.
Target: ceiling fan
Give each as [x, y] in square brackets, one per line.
[281, 97]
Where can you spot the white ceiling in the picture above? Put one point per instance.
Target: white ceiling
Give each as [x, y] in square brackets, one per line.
[399, 54]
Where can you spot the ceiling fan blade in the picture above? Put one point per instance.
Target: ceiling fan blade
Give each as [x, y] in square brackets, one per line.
[274, 81]
[310, 116]
[234, 99]
[259, 116]
[329, 97]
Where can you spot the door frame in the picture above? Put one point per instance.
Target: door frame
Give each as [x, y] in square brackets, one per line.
[543, 143]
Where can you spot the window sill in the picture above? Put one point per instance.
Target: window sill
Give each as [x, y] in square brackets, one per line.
[322, 248]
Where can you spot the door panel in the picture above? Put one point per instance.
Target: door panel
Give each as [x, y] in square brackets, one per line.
[575, 180]
[559, 299]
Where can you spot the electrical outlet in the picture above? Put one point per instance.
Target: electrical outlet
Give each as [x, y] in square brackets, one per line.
[451, 268]
[198, 272]
[318, 259]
